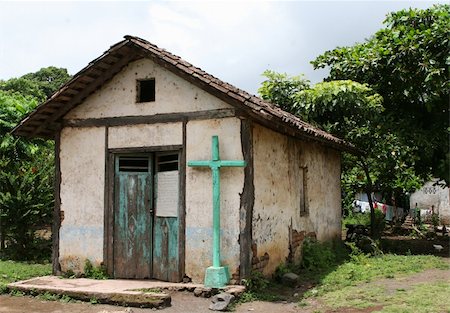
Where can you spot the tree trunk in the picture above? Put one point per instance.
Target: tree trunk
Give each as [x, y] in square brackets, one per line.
[369, 190]
[2, 232]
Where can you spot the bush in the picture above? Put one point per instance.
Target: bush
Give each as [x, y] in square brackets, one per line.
[256, 282]
[317, 256]
[94, 272]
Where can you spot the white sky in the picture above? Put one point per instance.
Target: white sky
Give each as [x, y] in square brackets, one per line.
[233, 40]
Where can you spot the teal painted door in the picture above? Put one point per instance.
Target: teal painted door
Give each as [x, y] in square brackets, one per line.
[133, 218]
[166, 260]
[146, 226]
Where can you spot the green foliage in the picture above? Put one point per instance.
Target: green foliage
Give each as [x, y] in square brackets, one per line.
[69, 274]
[38, 85]
[354, 112]
[317, 255]
[94, 272]
[282, 269]
[407, 64]
[24, 87]
[11, 271]
[435, 220]
[26, 167]
[281, 89]
[423, 298]
[364, 219]
[258, 287]
[362, 268]
[256, 281]
[93, 300]
[334, 101]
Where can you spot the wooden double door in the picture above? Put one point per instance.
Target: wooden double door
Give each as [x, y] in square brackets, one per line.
[146, 217]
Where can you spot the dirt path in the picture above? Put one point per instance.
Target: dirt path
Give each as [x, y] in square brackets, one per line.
[187, 303]
[181, 303]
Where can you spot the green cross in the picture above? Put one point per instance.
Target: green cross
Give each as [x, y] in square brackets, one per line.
[216, 276]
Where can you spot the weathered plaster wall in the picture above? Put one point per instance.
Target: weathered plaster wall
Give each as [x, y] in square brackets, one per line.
[199, 195]
[277, 224]
[430, 195]
[118, 96]
[82, 196]
[145, 135]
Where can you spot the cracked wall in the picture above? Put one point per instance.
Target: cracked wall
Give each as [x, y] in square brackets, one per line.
[278, 228]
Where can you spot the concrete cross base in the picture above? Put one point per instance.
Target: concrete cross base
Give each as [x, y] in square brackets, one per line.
[217, 277]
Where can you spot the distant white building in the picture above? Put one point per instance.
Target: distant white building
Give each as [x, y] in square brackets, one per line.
[433, 195]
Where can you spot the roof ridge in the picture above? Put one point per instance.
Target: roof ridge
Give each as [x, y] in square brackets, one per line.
[263, 111]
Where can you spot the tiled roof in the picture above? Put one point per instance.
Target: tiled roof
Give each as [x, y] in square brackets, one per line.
[45, 120]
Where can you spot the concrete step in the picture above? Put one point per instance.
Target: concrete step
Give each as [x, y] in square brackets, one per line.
[134, 293]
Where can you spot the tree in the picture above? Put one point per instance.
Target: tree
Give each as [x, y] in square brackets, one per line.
[354, 112]
[39, 85]
[407, 64]
[279, 88]
[26, 166]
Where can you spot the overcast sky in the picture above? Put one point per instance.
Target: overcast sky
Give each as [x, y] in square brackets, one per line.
[233, 40]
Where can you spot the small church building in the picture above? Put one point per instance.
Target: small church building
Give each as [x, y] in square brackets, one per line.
[125, 128]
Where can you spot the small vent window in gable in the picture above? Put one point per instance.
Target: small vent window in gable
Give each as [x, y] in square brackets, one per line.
[145, 90]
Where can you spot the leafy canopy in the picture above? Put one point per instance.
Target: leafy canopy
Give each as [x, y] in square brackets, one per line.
[354, 112]
[26, 166]
[407, 63]
[281, 89]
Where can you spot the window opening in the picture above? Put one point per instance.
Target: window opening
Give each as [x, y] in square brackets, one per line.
[133, 164]
[146, 90]
[167, 163]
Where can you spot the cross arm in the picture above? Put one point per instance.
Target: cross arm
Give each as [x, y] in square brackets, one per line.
[199, 163]
[233, 163]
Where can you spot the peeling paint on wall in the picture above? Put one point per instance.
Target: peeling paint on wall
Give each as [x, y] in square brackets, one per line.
[199, 195]
[277, 161]
[82, 196]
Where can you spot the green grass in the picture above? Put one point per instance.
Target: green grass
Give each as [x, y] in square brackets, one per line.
[364, 282]
[48, 296]
[420, 298]
[365, 269]
[11, 271]
[423, 298]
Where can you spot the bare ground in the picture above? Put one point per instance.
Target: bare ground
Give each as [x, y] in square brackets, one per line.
[184, 302]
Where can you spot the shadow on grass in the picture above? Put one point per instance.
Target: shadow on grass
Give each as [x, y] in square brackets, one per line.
[405, 245]
[319, 260]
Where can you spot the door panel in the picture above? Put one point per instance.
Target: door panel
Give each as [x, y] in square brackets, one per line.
[133, 225]
[166, 228]
[166, 254]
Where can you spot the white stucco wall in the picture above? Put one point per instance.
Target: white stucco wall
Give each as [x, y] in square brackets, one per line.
[145, 135]
[82, 196]
[430, 195]
[277, 202]
[118, 96]
[83, 167]
[199, 195]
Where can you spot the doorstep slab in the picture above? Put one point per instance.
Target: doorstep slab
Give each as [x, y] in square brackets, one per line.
[135, 293]
[121, 292]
